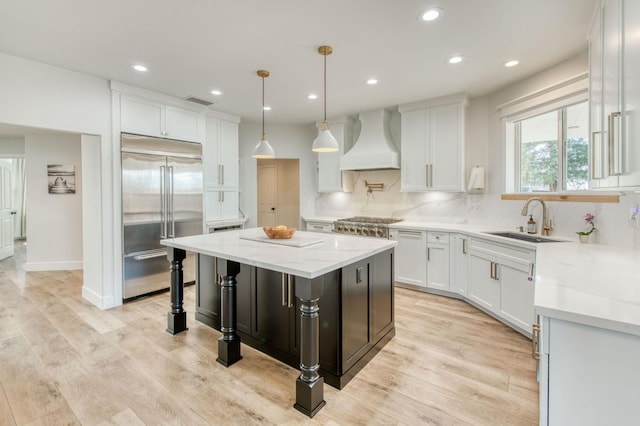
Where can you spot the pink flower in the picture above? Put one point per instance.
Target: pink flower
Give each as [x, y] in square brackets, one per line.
[589, 218]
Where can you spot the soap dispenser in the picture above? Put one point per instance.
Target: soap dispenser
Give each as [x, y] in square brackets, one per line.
[531, 225]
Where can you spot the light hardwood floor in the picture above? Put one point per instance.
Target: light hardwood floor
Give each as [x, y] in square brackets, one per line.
[63, 361]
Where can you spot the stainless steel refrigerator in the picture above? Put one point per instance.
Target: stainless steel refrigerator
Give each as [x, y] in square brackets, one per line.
[161, 198]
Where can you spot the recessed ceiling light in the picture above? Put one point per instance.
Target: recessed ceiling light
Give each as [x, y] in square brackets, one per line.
[312, 96]
[266, 108]
[372, 81]
[511, 63]
[139, 67]
[455, 59]
[430, 15]
[216, 92]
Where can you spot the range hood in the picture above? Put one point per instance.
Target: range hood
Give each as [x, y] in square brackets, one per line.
[374, 148]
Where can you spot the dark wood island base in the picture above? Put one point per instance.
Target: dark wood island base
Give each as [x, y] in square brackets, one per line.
[329, 327]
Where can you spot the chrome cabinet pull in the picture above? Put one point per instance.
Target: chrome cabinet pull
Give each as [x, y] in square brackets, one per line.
[284, 297]
[592, 154]
[428, 254]
[491, 271]
[464, 246]
[495, 274]
[289, 291]
[359, 275]
[531, 269]
[535, 340]
[222, 174]
[615, 147]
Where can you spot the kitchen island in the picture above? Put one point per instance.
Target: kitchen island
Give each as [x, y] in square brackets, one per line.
[341, 287]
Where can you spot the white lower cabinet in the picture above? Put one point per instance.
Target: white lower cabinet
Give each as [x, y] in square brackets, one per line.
[438, 264]
[496, 277]
[501, 280]
[410, 265]
[588, 375]
[459, 264]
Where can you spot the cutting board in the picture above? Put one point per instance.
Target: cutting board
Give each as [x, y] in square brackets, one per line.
[295, 241]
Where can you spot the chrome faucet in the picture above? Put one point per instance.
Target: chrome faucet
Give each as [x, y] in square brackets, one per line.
[525, 211]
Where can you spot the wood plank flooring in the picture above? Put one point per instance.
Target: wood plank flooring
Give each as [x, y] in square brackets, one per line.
[63, 361]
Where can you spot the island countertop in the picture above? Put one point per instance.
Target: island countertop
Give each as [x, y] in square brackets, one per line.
[327, 253]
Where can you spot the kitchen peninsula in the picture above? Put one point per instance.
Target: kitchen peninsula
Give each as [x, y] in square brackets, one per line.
[323, 299]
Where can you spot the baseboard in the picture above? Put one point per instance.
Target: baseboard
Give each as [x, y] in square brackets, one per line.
[96, 299]
[53, 266]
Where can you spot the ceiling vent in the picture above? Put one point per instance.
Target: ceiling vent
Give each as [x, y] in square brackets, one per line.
[198, 100]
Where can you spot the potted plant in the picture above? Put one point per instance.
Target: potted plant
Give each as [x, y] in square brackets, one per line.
[590, 221]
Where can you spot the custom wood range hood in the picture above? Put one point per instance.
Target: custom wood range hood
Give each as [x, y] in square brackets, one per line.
[374, 149]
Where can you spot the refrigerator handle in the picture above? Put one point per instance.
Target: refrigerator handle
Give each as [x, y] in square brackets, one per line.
[163, 204]
[172, 206]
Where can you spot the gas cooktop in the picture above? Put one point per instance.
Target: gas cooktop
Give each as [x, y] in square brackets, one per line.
[372, 220]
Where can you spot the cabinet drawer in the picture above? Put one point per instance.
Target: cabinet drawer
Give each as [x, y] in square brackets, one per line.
[320, 227]
[438, 237]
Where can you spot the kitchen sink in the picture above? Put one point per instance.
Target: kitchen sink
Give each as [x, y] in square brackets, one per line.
[524, 237]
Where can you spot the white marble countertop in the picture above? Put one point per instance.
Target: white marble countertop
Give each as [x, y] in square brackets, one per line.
[333, 252]
[590, 284]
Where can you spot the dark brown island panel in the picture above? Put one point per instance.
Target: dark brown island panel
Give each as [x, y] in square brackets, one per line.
[356, 312]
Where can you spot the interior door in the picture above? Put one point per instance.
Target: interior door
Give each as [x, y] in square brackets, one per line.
[6, 214]
[267, 195]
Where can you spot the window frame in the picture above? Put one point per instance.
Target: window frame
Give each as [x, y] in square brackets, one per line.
[563, 94]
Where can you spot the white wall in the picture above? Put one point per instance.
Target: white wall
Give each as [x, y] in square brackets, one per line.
[11, 146]
[288, 141]
[47, 97]
[54, 232]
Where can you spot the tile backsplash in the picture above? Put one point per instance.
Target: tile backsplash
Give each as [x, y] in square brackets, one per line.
[614, 222]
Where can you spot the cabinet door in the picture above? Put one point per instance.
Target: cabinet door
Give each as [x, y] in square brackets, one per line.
[381, 290]
[484, 289]
[355, 317]
[228, 149]
[414, 150]
[631, 84]
[141, 116]
[446, 151]
[438, 266]
[611, 91]
[459, 264]
[210, 154]
[598, 140]
[220, 205]
[183, 124]
[411, 257]
[516, 293]
[272, 316]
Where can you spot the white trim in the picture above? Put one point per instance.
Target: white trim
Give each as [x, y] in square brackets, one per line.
[97, 299]
[73, 265]
[457, 99]
[564, 93]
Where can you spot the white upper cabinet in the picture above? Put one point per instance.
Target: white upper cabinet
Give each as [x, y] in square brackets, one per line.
[614, 57]
[220, 154]
[151, 118]
[330, 177]
[432, 151]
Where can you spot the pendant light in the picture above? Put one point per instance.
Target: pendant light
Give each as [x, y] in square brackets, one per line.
[325, 142]
[263, 149]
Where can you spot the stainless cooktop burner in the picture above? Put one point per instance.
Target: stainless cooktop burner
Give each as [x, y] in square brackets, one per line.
[366, 219]
[366, 226]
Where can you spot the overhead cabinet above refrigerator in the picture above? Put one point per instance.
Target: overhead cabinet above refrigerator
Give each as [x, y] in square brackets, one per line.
[161, 198]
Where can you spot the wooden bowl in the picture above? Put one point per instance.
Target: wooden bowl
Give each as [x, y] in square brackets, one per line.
[279, 234]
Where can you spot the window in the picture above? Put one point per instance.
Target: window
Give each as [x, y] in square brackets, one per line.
[552, 150]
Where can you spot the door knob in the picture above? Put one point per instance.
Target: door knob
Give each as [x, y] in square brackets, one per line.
[14, 212]
[273, 208]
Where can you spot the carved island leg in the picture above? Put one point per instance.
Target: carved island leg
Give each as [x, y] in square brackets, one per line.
[229, 343]
[309, 385]
[177, 317]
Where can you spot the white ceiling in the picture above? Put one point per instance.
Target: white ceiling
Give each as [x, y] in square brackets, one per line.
[193, 46]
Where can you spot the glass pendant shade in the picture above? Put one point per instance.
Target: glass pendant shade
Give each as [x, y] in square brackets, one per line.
[325, 142]
[263, 149]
